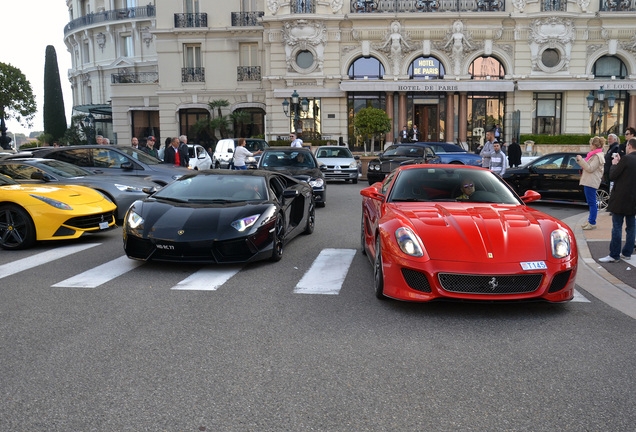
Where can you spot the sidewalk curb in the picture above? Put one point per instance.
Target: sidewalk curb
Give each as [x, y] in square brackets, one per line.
[597, 281]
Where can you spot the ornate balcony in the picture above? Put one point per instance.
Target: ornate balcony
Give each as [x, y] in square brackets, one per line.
[188, 20]
[246, 19]
[135, 78]
[111, 15]
[617, 6]
[394, 6]
[193, 74]
[248, 73]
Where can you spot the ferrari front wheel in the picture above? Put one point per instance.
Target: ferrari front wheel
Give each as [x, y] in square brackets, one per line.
[16, 228]
[378, 273]
[279, 236]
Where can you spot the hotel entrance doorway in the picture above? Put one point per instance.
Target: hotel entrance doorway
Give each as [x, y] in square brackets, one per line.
[426, 117]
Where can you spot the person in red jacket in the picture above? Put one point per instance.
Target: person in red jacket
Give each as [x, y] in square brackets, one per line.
[176, 154]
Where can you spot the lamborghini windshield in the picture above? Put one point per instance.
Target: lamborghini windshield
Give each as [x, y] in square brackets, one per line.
[214, 189]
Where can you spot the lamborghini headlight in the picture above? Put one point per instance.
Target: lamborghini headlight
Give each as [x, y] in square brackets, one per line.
[57, 204]
[316, 182]
[409, 242]
[126, 188]
[134, 220]
[243, 224]
[560, 243]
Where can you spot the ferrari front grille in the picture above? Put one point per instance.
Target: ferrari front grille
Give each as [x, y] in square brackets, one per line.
[490, 284]
[90, 221]
[416, 280]
[559, 281]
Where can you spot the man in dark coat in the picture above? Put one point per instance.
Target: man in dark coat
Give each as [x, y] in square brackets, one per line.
[514, 153]
[614, 147]
[176, 154]
[622, 203]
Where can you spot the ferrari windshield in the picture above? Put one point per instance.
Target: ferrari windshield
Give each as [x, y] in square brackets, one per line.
[424, 184]
[214, 189]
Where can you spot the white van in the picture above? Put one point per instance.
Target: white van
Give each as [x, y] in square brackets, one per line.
[224, 151]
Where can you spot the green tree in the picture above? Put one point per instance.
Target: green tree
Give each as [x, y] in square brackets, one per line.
[53, 113]
[16, 99]
[220, 122]
[371, 123]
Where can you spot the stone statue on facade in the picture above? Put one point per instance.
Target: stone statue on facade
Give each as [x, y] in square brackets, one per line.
[458, 41]
[395, 44]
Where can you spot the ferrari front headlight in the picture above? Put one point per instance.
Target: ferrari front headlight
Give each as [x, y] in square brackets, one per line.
[409, 242]
[316, 182]
[134, 220]
[55, 203]
[560, 243]
[243, 224]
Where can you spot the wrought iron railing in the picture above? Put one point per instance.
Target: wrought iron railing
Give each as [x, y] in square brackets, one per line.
[618, 6]
[393, 6]
[248, 73]
[246, 19]
[111, 15]
[135, 78]
[187, 20]
[303, 6]
[554, 5]
[193, 74]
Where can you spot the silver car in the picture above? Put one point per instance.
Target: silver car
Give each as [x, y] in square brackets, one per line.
[121, 190]
[338, 163]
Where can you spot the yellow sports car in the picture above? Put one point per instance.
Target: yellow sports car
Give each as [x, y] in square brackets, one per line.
[29, 213]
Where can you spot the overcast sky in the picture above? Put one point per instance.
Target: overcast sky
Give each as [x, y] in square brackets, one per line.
[28, 26]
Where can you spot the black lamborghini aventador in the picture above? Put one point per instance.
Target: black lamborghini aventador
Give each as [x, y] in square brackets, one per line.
[220, 216]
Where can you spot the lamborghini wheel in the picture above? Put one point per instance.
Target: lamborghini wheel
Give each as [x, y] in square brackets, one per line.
[16, 228]
[378, 273]
[311, 218]
[279, 236]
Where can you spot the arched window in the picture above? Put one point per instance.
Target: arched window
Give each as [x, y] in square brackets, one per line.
[366, 68]
[608, 67]
[485, 68]
[426, 68]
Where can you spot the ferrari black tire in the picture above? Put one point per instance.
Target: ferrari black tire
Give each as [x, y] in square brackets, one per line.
[279, 237]
[311, 218]
[378, 273]
[363, 247]
[16, 228]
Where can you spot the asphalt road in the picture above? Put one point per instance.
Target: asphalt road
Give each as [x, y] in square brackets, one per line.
[134, 354]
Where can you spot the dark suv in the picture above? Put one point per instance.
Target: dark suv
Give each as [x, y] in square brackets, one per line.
[400, 154]
[114, 160]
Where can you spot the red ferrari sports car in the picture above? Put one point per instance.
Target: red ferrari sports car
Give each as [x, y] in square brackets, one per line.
[457, 232]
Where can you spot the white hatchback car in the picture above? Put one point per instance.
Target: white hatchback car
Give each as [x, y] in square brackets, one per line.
[338, 163]
[199, 158]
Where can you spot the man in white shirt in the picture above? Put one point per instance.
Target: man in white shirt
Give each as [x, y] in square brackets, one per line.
[296, 142]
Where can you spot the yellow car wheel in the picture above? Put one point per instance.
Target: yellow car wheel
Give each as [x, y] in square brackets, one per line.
[16, 228]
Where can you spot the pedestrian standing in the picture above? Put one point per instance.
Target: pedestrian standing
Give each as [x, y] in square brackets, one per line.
[175, 154]
[514, 153]
[404, 135]
[241, 153]
[296, 142]
[134, 142]
[487, 150]
[497, 160]
[150, 147]
[591, 177]
[614, 147]
[622, 203]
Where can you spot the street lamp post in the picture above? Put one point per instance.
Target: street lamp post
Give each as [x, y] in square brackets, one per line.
[293, 110]
[601, 112]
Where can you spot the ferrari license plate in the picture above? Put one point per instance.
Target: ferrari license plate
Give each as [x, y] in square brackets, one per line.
[534, 265]
[103, 225]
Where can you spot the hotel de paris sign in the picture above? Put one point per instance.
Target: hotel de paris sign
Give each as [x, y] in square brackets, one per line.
[432, 86]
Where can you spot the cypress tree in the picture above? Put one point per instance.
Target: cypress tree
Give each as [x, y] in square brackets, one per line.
[53, 113]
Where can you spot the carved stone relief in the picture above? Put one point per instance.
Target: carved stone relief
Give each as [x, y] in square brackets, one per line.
[304, 35]
[336, 5]
[273, 6]
[553, 33]
[458, 43]
[396, 43]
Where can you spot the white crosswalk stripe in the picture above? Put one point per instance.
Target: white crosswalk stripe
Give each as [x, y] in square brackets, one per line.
[101, 274]
[327, 273]
[41, 258]
[207, 279]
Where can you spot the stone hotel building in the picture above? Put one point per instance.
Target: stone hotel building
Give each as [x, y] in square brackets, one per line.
[455, 68]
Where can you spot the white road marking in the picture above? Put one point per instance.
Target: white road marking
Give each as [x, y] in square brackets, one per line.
[578, 297]
[101, 274]
[327, 273]
[42, 258]
[208, 279]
